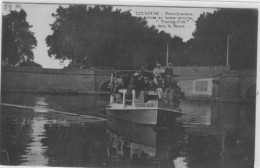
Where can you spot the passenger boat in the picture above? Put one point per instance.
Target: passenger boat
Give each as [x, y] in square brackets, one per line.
[152, 111]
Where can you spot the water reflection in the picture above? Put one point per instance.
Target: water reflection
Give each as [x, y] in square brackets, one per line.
[40, 105]
[15, 135]
[144, 146]
[215, 135]
[197, 113]
[25, 131]
[76, 145]
[35, 150]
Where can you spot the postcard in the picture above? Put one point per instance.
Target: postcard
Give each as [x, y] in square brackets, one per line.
[129, 84]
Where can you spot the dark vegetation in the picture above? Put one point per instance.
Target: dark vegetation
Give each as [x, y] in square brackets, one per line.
[17, 40]
[101, 36]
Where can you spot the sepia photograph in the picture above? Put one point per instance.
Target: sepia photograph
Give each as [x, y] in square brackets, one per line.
[129, 85]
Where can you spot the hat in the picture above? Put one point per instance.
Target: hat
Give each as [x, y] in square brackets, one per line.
[136, 74]
[158, 64]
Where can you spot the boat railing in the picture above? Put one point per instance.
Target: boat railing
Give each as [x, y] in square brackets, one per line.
[148, 104]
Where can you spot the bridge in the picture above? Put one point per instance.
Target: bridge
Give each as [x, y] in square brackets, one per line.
[55, 80]
[233, 84]
[238, 84]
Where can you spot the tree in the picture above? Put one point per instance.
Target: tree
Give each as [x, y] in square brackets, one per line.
[209, 45]
[18, 40]
[30, 63]
[176, 51]
[106, 37]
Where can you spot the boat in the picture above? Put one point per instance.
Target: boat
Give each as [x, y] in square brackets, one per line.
[152, 111]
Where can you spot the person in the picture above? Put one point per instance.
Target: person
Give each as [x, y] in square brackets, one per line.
[139, 84]
[158, 70]
[146, 88]
[131, 84]
[118, 83]
[129, 97]
[147, 85]
[120, 80]
[167, 89]
[168, 70]
[126, 80]
[159, 84]
[177, 93]
[152, 84]
[143, 71]
[172, 91]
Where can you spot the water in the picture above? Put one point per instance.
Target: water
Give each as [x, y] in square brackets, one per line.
[42, 131]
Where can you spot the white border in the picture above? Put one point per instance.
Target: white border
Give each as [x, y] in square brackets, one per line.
[199, 4]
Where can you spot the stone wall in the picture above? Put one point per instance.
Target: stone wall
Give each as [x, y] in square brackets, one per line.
[54, 80]
[235, 84]
[231, 85]
[48, 80]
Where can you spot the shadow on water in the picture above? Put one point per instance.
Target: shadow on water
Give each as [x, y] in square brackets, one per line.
[215, 135]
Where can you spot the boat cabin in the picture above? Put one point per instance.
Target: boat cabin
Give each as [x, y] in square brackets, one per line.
[128, 98]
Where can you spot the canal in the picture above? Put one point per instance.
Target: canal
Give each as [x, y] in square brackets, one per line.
[72, 130]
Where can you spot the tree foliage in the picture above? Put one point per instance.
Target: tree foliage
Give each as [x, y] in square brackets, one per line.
[176, 51]
[209, 45]
[112, 38]
[18, 40]
[107, 37]
[30, 63]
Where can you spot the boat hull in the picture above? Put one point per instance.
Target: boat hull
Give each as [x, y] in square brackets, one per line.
[153, 116]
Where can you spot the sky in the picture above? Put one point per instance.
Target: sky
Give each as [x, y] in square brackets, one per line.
[40, 17]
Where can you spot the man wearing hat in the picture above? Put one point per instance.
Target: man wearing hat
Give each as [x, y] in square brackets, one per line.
[158, 70]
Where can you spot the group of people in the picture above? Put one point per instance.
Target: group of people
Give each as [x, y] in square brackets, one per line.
[167, 85]
[161, 80]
